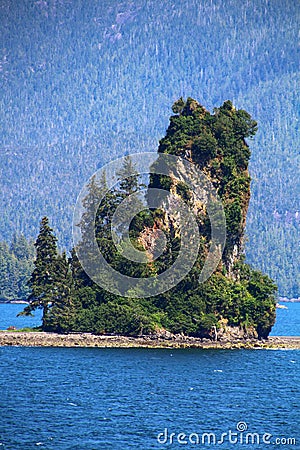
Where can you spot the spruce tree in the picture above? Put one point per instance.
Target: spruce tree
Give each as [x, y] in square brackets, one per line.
[61, 315]
[128, 188]
[44, 275]
[128, 178]
[91, 204]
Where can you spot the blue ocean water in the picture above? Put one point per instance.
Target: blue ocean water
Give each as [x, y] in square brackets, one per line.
[119, 399]
[8, 316]
[287, 320]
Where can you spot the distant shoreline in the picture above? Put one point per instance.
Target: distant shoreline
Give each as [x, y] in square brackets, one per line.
[84, 340]
[289, 300]
[14, 302]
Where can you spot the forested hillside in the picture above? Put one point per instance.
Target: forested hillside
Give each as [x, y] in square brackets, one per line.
[16, 265]
[82, 83]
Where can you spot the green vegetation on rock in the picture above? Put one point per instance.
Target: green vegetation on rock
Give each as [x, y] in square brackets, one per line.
[234, 296]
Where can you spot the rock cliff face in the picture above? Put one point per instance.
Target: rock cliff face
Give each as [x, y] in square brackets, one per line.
[215, 144]
[233, 301]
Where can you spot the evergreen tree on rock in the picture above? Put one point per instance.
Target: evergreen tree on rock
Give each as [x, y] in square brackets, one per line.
[43, 278]
[61, 315]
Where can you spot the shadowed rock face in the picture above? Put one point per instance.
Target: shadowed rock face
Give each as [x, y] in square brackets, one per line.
[215, 144]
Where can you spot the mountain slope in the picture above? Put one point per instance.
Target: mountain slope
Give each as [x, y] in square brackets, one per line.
[81, 83]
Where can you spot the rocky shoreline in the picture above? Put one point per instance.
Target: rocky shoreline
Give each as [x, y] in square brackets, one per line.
[42, 339]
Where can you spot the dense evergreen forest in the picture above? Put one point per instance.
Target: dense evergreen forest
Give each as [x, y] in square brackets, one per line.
[84, 82]
[16, 263]
[235, 295]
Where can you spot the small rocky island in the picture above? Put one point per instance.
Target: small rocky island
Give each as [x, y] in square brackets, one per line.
[235, 306]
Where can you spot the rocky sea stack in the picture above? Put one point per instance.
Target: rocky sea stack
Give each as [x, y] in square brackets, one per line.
[235, 302]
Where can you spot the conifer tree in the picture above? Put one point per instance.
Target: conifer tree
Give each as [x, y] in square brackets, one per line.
[91, 204]
[128, 188]
[44, 275]
[80, 278]
[61, 315]
[128, 178]
[94, 223]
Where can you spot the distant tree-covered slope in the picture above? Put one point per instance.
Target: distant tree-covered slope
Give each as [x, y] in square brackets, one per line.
[82, 81]
[16, 265]
[273, 222]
